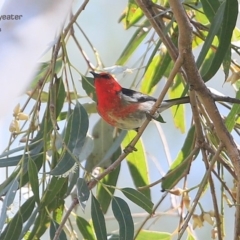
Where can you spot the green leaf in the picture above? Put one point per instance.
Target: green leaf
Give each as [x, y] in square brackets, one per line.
[38, 161]
[44, 96]
[58, 213]
[233, 115]
[88, 86]
[29, 222]
[160, 119]
[134, 42]
[122, 213]
[25, 212]
[72, 179]
[210, 8]
[178, 110]
[4, 187]
[41, 224]
[53, 229]
[227, 63]
[14, 228]
[137, 163]
[82, 192]
[43, 70]
[133, 14]
[138, 198]
[213, 31]
[54, 187]
[113, 237]
[98, 220]
[155, 71]
[85, 228]
[103, 140]
[180, 166]
[104, 197]
[59, 95]
[145, 234]
[33, 178]
[228, 25]
[191, 236]
[8, 200]
[74, 139]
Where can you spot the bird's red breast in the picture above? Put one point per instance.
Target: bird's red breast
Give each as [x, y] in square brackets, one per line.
[111, 105]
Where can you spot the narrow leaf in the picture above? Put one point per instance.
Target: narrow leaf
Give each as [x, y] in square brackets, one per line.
[15, 228]
[43, 70]
[138, 198]
[75, 135]
[103, 141]
[88, 86]
[25, 211]
[210, 8]
[33, 178]
[133, 14]
[213, 31]
[134, 42]
[155, 71]
[180, 167]
[53, 229]
[178, 110]
[54, 187]
[82, 192]
[98, 220]
[85, 228]
[123, 215]
[8, 200]
[137, 163]
[145, 234]
[233, 115]
[104, 197]
[228, 25]
[29, 223]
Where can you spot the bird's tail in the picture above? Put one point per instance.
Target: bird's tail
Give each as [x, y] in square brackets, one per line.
[169, 103]
[176, 101]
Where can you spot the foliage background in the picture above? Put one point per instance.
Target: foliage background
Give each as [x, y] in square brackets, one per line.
[99, 23]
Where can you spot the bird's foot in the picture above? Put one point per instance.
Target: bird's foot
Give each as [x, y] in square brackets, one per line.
[150, 116]
[129, 149]
[156, 117]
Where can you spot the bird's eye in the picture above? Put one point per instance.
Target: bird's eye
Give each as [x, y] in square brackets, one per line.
[106, 76]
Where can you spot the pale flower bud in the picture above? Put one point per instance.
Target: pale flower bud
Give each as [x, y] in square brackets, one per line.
[22, 116]
[14, 126]
[197, 221]
[16, 110]
[186, 200]
[207, 217]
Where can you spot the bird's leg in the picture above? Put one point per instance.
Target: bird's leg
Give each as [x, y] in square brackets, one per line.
[157, 116]
[129, 148]
[150, 116]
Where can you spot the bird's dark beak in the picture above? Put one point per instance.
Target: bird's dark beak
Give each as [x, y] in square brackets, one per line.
[94, 74]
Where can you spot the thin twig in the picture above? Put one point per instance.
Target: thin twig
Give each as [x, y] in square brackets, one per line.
[65, 218]
[150, 215]
[200, 191]
[213, 194]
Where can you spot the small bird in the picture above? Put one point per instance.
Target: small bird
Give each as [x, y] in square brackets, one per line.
[128, 109]
[125, 108]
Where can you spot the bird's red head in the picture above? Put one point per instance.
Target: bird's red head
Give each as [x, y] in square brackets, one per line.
[105, 82]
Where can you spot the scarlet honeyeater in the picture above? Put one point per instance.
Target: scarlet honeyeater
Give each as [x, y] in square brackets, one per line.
[125, 108]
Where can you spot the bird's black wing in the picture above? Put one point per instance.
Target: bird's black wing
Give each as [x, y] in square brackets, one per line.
[134, 96]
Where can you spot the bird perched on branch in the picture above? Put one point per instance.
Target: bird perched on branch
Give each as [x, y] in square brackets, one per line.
[128, 109]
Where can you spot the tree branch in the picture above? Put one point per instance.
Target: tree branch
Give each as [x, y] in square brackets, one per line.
[195, 81]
